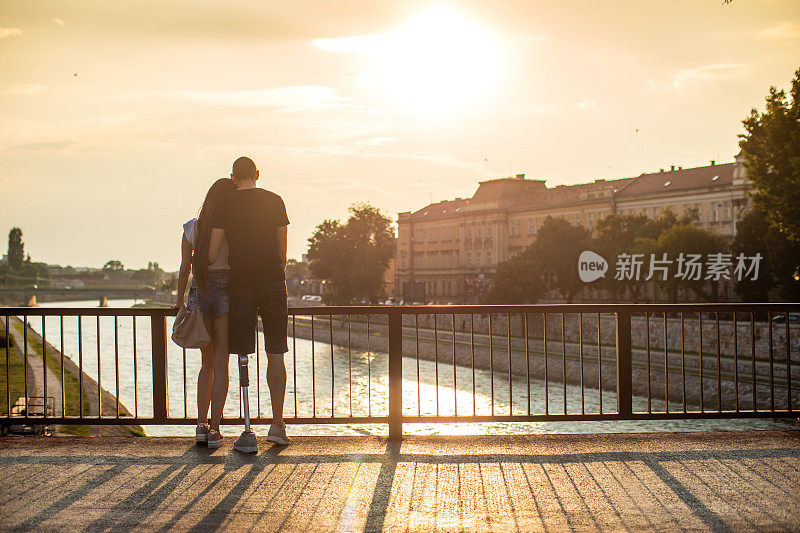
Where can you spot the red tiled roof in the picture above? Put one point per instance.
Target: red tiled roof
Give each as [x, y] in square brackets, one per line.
[679, 180]
[516, 194]
[444, 209]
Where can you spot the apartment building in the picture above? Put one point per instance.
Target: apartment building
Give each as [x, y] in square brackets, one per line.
[448, 251]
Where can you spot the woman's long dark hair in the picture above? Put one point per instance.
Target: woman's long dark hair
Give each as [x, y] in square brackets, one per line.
[202, 231]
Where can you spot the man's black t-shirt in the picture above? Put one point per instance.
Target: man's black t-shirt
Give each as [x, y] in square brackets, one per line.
[251, 218]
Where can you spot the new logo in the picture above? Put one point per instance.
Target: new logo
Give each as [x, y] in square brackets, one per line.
[591, 266]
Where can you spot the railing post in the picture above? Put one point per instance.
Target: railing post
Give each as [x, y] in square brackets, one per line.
[395, 375]
[624, 387]
[158, 332]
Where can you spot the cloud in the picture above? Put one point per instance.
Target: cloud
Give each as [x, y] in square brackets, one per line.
[9, 32]
[587, 104]
[441, 159]
[785, 30]
[45, 146]
[24, 90]
[356, 44]
[58, 22]
[377, 141]
[293, 98]
[704, 75]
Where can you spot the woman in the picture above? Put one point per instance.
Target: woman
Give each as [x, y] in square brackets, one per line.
[209, 292]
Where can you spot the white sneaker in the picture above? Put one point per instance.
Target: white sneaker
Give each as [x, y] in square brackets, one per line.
[277, 434]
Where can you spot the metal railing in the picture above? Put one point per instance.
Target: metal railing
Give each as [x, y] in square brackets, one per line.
[469, 363]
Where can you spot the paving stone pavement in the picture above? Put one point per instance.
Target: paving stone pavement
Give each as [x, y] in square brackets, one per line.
[722, 481]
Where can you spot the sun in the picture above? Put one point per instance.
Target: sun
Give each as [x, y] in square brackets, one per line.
[441, 62]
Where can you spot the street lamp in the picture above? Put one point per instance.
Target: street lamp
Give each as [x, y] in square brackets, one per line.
[796, 274]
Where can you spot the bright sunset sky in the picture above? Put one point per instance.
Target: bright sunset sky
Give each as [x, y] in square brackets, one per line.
[117, 116]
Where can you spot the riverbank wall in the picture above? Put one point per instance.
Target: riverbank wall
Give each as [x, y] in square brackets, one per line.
[679, 384]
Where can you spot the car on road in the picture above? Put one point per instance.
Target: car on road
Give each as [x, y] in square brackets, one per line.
[794, 318]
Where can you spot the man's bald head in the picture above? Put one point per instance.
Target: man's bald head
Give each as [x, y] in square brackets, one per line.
[244, 170]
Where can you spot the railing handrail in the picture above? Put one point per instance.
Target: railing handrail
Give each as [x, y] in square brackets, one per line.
[607, 308]
[395, 332]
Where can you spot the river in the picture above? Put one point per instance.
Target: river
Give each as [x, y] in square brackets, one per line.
[369, 392]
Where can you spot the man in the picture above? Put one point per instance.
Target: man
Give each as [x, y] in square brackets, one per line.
[254, 221]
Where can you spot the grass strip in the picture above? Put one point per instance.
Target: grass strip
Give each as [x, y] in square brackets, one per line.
[16, 375]
[72, 391]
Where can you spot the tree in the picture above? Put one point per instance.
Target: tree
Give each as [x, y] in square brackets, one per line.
[771, 148]
[617, 234]
[352, 258]
[555, 253]
[296, 273]
[685, 239]
[16, 249]
[113, 265]
[517, 281]
[780, 259]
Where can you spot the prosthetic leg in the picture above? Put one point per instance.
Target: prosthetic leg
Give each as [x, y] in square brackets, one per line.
[247, 441]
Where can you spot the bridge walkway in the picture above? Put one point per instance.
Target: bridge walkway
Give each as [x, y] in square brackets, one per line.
[669, 481]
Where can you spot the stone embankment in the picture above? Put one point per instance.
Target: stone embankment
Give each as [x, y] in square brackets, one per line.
[567, 355]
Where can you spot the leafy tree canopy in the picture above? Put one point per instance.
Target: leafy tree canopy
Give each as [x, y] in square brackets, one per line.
[549, 263]
[771, 147]
[352, 258]
[684, 238]
[16, 249]
[781, 257]
[113, 265]
[556, 250]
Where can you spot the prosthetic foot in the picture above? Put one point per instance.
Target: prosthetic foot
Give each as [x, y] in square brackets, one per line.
[246, 443]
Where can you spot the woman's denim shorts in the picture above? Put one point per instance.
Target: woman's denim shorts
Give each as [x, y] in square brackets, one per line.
[215, 301]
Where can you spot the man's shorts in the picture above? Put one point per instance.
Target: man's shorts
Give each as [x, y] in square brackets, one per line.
[215, 301]
[246, 303]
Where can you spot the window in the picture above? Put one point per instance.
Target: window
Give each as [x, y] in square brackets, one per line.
[530, 226]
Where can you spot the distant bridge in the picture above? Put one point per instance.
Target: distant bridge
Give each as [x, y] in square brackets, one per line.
[63, 294]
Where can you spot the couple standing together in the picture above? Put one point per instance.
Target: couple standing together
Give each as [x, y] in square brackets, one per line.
[236, 251]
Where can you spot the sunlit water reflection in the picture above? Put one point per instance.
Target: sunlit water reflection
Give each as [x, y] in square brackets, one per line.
[359, 386]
